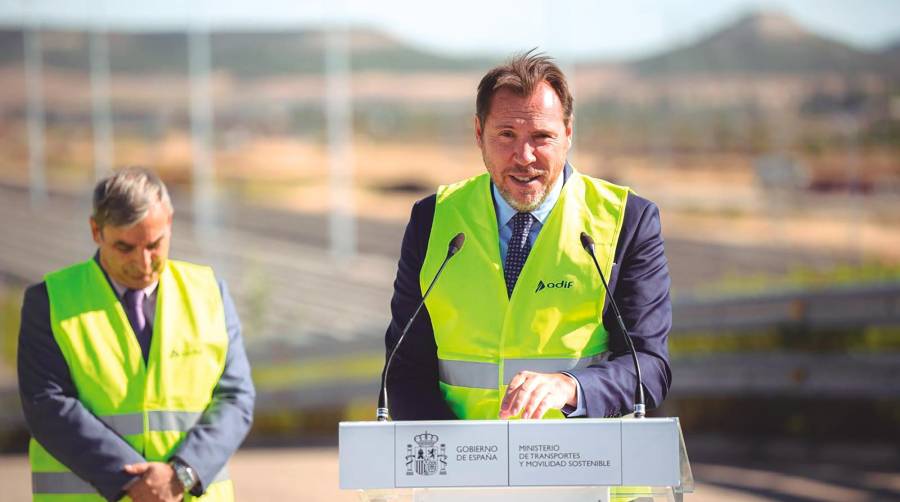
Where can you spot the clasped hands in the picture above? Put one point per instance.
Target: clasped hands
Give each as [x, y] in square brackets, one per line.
[532, 394]
[157, 483]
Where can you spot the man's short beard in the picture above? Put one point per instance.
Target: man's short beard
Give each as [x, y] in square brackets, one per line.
[525, 208]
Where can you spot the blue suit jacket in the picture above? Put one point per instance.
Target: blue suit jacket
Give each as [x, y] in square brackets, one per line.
[639, 283]
[78, 439]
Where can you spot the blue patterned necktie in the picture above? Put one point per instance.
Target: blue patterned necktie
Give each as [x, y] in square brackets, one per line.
[517, 250]
[133, 300]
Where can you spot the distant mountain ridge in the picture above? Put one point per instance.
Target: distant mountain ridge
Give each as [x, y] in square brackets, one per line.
[243, 53]
[891, 57]
[758, 43]
[762, 42]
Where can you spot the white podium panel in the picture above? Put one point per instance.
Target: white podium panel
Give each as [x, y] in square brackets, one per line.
[518, 453]
[366, 455]
[662, 441]
[516, 494]
[565, 453]
[470, 453]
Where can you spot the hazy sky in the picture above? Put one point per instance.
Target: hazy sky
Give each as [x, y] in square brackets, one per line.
[567, 28]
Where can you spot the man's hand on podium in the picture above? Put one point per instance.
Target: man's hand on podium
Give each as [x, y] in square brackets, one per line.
[532, 394]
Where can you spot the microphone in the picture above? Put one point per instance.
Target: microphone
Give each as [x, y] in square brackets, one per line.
[381, 413]
[588, 244]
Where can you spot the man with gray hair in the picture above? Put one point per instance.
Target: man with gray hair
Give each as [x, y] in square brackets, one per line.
[132, 371]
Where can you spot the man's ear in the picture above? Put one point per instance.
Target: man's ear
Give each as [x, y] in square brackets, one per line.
[570, 131]
[96, 231]
[479, 133]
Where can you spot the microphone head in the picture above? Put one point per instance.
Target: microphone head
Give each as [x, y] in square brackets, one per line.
[456, 243]
[587, 243]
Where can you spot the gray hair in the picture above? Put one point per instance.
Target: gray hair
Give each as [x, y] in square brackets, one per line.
[125, 197]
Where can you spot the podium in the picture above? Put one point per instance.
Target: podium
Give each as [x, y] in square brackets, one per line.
[523, 460]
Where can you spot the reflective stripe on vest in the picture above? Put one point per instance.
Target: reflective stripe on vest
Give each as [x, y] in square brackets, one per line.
[484, 375]
[59, 483]
[151, 405]
[552, 320]
[157, 420]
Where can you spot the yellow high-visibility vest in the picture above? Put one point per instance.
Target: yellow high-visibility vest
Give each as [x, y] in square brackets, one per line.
[151, 405]
[552, 320]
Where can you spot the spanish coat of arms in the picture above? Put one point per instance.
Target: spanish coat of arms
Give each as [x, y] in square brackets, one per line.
[427, 457]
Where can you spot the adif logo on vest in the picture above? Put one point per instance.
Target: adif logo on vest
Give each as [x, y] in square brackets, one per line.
[553, 285]
[185, 352]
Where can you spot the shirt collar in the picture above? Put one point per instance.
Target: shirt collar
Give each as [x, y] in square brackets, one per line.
[505, 212]
[120, 289]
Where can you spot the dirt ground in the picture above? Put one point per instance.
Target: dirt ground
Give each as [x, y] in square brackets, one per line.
[311, 475]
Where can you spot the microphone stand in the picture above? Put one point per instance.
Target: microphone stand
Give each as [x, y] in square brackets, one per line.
[382, 414]
[639, 407]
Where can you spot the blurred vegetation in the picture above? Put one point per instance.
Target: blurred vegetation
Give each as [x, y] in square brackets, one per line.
[10, 318]
[804, 278]
[290, 427]
[256, 295]
[788, 337]
[815, 421]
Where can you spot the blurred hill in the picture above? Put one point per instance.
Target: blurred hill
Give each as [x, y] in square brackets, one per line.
[244, 54]
[891, 56]
[761, 42]
[892, 51]
[766, 42]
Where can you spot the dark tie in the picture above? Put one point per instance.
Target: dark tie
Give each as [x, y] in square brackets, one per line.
[517, 250]
[134, 308]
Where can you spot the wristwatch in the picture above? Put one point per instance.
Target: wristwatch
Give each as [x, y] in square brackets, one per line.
[185, 475]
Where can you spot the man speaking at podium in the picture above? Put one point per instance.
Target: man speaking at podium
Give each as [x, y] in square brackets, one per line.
[513, 328]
